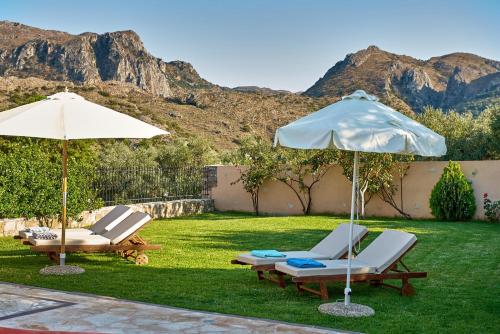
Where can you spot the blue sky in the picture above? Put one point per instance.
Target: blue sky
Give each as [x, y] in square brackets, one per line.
[282, 44]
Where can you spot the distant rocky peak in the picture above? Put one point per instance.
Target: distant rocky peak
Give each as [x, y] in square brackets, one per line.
[127, 38]
[89, 57]
[455, 80]
[357, 59]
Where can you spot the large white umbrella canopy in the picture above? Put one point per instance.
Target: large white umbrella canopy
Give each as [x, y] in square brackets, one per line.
[360, 123]
[68, 116]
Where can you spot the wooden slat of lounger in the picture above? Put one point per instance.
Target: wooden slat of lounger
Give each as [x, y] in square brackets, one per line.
[359, 277]
[406, 289]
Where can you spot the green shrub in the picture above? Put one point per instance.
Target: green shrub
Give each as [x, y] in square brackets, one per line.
[30, 179]
[453, 197]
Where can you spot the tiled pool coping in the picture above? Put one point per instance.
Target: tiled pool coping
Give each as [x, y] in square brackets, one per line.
[86, 312]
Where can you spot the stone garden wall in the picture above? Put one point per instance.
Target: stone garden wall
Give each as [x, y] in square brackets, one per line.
[169, 209]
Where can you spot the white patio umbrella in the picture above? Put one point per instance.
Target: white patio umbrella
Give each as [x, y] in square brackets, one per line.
[360, 123]
[67, 116]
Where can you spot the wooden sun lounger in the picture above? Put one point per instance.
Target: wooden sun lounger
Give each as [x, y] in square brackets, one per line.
[131, 247]
[275, 276]
[109, 220]
[278, 277]
[374, 279]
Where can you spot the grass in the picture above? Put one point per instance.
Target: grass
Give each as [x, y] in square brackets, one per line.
[461, 294]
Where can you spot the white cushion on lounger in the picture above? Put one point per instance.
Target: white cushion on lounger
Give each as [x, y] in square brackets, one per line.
[106, 223]
[111, 219]
[333, 246]
[378, 256]
[71, 231]
[73, 240]
[127, 227]
[336, 243]
[333, 267]
[258, 261]
[386, 248]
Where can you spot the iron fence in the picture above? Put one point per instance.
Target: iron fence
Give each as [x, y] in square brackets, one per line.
[139, 184]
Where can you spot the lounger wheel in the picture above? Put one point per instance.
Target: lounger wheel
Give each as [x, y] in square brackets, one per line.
[141, 259]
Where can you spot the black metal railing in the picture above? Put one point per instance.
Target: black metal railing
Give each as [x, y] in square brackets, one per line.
[139, 184]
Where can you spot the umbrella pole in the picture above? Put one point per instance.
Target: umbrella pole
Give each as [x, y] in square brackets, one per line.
[62, 254]
[347, 290]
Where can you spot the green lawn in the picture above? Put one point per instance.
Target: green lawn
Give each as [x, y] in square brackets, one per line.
[460, 295]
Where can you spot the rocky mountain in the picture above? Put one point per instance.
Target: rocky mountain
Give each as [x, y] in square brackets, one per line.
[115, 70]
[455, 81]
[89, 58]
[222, 117]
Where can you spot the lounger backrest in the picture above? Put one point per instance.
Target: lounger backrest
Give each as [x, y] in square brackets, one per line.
[111, 219]
[386, 249]
[336, 243]
[127, 227]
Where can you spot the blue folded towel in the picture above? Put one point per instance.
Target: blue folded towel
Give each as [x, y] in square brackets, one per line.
[304, 263]
[267, 253]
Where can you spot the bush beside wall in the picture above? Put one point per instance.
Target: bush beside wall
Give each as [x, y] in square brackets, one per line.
[452, 198]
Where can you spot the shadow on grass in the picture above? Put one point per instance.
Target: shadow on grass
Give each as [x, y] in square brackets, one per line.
[284, 240]
[250, 239]
[215, 216]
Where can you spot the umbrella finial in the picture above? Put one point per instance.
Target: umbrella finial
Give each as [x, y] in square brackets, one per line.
[66, 89]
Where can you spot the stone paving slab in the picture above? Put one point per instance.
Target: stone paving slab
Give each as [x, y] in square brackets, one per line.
[26, 307]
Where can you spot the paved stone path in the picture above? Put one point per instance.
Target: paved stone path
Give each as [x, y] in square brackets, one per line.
[27, 307]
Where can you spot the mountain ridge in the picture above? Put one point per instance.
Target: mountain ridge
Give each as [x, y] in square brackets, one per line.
[114, 69]
[90, 57]
[448, 82]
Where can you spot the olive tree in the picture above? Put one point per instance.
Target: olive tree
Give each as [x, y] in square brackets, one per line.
[376, 176]
[467, 137]
[258, 162]
[301, 170]
[387, 188]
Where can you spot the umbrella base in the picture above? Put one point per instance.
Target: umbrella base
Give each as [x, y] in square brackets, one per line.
[62, 270]
[339, 309]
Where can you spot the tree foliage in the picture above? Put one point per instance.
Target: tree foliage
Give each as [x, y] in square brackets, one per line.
[452, 197]
[152, 169]
[194, 152]
[467, 137]
[30, 178]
